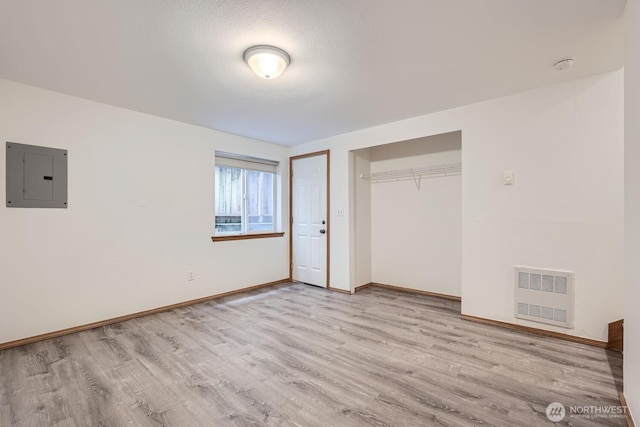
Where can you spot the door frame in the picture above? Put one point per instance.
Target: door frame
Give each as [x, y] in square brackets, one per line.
[328, 228]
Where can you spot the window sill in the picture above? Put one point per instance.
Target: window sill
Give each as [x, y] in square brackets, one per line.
[246, 236]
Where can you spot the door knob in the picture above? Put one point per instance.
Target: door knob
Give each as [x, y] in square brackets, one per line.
[322, 231]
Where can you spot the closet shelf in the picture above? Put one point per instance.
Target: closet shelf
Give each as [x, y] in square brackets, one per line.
[415, 174]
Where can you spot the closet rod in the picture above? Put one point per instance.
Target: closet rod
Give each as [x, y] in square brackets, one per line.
[414, 173]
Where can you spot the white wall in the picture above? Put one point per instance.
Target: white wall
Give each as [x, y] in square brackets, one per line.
[632, 208]
[140, 216]
[417, 232]
[360, 205]
[565, 211]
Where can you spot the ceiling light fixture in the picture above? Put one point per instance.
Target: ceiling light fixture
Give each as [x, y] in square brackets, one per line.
[267, 61]
[564, 64]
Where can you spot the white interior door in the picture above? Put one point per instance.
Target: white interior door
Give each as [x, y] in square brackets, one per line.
[309, 220]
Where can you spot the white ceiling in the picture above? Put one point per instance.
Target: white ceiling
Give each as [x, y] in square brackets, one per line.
[355, 63]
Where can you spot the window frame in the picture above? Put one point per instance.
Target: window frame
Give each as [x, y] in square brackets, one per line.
[247, 164]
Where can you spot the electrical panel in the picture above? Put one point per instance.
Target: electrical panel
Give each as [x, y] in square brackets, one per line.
[36, 176]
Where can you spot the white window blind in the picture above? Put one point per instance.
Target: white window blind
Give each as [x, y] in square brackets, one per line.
[246, 162]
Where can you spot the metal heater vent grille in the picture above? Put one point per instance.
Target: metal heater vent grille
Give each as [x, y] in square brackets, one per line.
[544, 296]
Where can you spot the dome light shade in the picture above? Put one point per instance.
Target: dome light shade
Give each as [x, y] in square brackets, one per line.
[564, 64]
[267, 61]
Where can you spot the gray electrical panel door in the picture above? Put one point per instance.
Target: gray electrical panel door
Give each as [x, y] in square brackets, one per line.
[36, 176]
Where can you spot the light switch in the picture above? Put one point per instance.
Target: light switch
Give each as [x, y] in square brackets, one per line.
[508, 177]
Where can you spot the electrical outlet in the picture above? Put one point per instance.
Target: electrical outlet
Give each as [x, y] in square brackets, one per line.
[190, 276]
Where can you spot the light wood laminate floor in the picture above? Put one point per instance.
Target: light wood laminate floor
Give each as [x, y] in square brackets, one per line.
[295, 355]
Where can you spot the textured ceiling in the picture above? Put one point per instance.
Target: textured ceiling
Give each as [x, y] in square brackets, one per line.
[355, 63]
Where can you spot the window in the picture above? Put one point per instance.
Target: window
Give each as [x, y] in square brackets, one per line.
[245, 191]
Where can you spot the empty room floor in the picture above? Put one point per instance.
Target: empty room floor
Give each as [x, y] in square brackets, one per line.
[295, 355]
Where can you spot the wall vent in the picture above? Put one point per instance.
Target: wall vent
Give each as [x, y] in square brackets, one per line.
[544, 296]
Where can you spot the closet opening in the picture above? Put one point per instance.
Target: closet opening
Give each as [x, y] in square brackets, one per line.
[406, 204]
